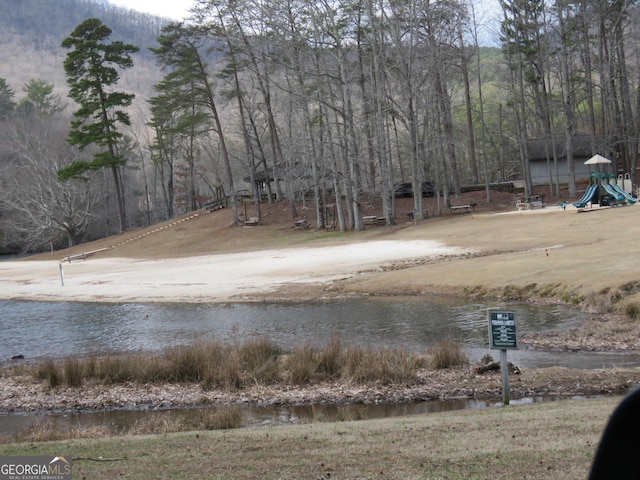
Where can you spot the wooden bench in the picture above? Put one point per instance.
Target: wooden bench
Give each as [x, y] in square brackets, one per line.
[82, 256]
[252, 222]
[469, 208]
[78, 256]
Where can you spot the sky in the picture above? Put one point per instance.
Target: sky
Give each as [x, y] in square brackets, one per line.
[173, 9]
[178, 10]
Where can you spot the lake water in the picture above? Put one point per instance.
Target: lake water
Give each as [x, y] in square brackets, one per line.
[58, 329]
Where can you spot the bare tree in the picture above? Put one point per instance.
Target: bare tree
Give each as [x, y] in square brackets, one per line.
[40, 209]
[184, 49]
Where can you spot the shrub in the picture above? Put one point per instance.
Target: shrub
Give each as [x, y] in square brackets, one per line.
[632, 310]
[48, 431]
[232, 366]
[353, 363]
[224, 372]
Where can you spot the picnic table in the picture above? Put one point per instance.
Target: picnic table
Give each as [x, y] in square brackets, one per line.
[301, 224]
[213, 205]
[468, 208]
[531, 201]
[374, 220]
[536, 201]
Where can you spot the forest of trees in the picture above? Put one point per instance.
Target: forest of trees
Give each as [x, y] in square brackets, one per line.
[334, 102]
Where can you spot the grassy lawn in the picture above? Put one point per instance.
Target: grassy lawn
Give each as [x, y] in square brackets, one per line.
[552, 440]
[551, 256]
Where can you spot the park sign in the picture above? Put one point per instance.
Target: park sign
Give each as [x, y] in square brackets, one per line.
[502, 330]
[503, 337]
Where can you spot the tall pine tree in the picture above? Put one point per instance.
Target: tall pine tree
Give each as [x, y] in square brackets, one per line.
[91, 68]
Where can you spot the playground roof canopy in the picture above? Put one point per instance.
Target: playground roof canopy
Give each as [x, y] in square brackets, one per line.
[596, 160]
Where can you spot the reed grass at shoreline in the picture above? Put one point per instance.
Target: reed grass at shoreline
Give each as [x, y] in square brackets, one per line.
[259, 361]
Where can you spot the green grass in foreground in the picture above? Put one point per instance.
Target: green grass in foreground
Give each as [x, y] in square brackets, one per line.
[551, 441]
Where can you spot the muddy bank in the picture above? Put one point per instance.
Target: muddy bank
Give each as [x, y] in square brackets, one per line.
[24, 395]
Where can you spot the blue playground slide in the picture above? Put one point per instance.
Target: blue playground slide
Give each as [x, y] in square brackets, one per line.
[612, 191]
[588, 195]
[626, 195]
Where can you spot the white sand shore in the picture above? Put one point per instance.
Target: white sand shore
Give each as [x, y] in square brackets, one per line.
[212, 278]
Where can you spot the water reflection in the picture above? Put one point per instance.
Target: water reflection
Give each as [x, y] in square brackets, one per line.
[122, 421]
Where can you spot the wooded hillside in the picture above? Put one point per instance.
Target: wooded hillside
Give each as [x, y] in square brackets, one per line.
[338, 103]
[31, 32]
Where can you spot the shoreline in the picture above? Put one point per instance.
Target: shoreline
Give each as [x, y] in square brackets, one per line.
[216, 278]
[19, 396]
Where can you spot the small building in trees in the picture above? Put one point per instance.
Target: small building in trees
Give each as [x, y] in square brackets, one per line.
[545, 171]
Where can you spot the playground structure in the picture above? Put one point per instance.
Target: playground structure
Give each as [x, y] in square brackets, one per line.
[605, 189]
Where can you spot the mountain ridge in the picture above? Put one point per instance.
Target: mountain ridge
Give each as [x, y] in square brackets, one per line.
[31, 33]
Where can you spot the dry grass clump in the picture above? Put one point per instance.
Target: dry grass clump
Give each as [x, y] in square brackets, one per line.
[302, 364]
[448, 353]
[384, 365]
[49, 432]
[224, 418]
[329, 358]
[49, 371]
[353, 363]
[213, 364]
[260, 361]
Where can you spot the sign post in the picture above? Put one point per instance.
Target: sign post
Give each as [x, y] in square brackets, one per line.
[503, 336]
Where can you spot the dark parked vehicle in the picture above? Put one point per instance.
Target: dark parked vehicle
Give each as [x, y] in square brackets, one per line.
[405, 189]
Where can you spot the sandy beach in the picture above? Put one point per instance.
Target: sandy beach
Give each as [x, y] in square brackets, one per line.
[205, 260]
[208, 278]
